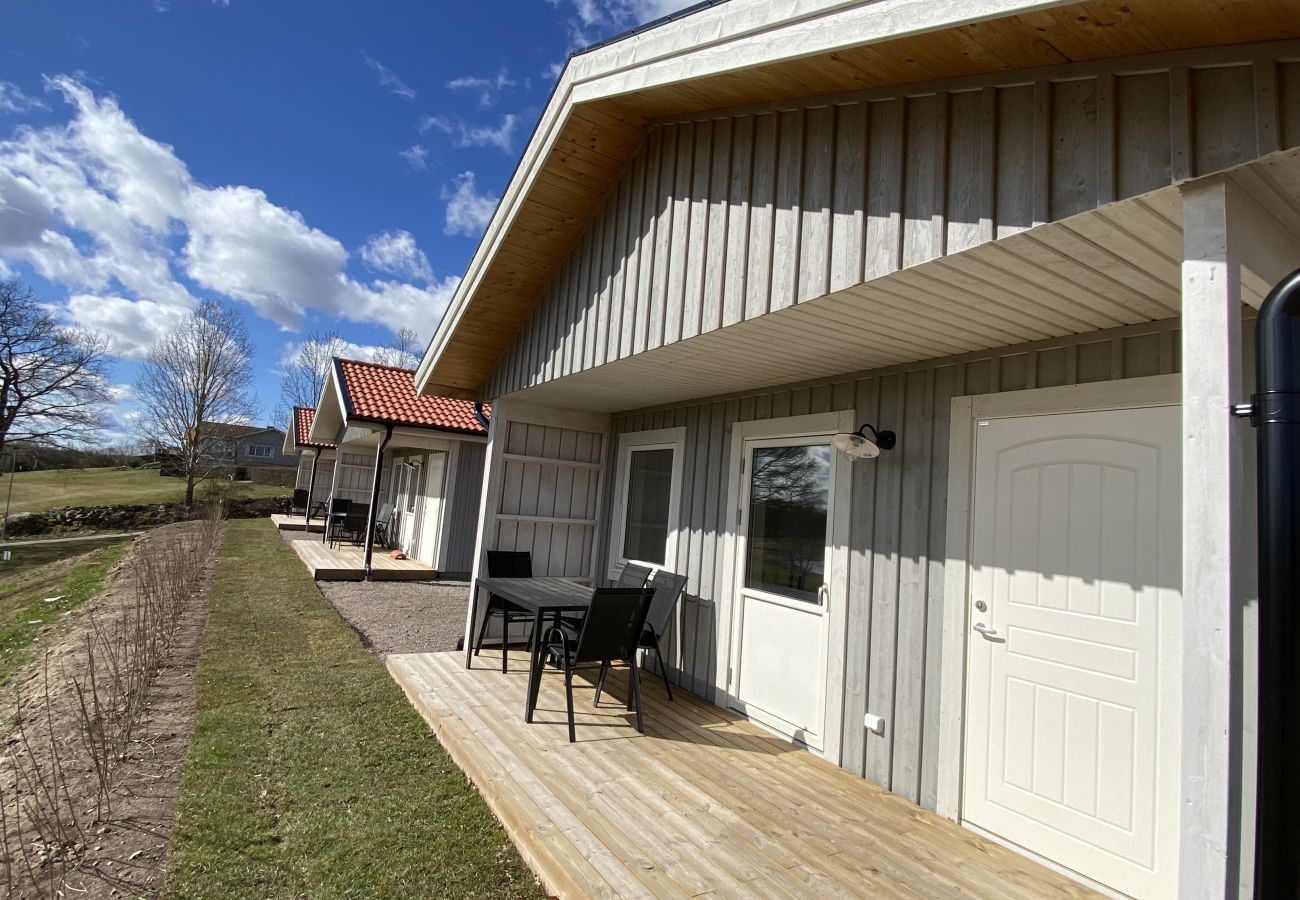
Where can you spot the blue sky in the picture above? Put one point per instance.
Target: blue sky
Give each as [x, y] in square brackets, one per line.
[317, 164]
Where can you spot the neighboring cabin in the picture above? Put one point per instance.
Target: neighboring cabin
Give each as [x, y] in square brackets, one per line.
[997, 229]
[413, 460]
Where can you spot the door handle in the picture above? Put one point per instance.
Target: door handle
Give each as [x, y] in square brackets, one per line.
[990, 634]
[822, 594]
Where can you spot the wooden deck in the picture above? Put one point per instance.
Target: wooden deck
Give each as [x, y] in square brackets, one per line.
[295, 523]
[344, 563]
[702, 804]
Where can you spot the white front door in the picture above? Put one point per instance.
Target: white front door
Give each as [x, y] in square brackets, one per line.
[778, 649]
[435, 466]
[1073, 689]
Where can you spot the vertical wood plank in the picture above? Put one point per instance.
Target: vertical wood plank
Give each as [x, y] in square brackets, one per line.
[735, 294]
[884, 232]
[649, 242]
[716, 263]
[785, 227]
[697, 231]
[664, 209]
[815, 204]
[762, 194]
[680, 247]
[1180, 123]
[1105, 139]
[849, 171]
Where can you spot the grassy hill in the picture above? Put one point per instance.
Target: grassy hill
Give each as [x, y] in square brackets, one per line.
[50, 489]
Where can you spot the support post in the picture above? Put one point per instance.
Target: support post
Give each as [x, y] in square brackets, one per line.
[334, 489]
[311, 487]
[487, 524]
[374, 498]
[1217, 539]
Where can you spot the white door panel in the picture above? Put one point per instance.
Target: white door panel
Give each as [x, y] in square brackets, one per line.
[1073, 700]
[779, 646]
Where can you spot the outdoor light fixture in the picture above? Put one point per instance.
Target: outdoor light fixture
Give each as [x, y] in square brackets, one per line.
[858, 446]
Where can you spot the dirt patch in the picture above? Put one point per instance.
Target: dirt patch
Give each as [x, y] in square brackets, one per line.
[118, 852]
[398, 616]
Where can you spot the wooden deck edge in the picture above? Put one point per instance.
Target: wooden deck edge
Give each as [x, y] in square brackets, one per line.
[535, 854]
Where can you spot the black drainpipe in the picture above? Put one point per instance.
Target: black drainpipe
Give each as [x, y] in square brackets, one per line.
[1275, 412]
[374, 498]
[480, 415]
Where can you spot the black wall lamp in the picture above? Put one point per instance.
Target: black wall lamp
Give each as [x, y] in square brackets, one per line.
[858, 446]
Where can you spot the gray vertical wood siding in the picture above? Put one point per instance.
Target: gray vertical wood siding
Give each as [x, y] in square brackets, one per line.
[897, 551]
[722, 219]
[550, 482]
[463, 503]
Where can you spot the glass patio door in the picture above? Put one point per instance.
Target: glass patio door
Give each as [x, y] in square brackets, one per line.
[778, 654]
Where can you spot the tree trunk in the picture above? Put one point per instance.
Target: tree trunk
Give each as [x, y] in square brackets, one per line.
[189, 489]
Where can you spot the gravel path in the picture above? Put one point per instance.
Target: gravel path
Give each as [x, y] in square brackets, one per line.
[398, 616]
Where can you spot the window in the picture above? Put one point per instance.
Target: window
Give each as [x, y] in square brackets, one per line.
[789, 490]
[649, 481]
[259, 450]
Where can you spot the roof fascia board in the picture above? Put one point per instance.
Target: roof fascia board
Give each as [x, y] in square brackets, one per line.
[713, 41]
[331, 413]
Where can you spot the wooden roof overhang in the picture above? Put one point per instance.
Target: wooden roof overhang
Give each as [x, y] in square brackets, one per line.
[742, 53]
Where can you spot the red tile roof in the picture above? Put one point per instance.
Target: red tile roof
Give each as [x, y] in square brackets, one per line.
[387, 394]
[303, 416]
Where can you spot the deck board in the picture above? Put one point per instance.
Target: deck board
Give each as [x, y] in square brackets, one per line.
[295, 523]
[345, 563]
[703, 804]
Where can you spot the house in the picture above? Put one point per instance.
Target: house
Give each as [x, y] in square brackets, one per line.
[1028, 239]
[315, 459]
[418, 458]
[236, 450]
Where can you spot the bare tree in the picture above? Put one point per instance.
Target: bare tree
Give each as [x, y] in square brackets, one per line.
[199, 376]
[304, 377]
[53, 379]
[403, 351]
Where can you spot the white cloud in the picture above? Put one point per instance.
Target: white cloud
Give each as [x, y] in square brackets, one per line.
[131, 326]
[416, 157]
[468, 212]
[488, 89]
[115, 216]
[12, 99]
[389, 79]
[464, 135]
[395, 253]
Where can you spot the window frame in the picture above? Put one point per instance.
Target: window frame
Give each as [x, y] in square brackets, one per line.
[630, 442]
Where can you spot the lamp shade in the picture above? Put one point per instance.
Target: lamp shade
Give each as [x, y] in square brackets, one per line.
[858, 446]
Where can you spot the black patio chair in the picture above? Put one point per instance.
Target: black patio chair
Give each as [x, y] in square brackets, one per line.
[506, 564]
[631, 575]
[339, 507]
[668, 590]
[384, 529]
[354, 523]
[299, 501]
[610, 631]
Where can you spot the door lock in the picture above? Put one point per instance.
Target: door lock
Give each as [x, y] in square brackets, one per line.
[981, 606]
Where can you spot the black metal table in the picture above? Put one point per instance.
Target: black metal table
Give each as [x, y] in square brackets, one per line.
[543, 597]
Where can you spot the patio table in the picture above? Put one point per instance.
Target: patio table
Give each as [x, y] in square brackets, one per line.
[543, 597]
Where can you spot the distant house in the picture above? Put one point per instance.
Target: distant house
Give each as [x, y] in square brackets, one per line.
[415, 461]
[313, 477]
[247, 447]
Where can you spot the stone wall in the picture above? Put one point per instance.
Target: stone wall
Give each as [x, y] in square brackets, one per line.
[73, 519]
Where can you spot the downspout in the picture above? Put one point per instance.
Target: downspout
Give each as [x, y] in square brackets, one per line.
[480, 415]
[1274, 411]
[311, 487]
[374, 497]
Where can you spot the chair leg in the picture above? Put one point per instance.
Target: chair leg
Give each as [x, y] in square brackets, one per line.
[568, 697]
[634, 690]
[482, 629]
[663, 669]
[600, 682]
[505, 641]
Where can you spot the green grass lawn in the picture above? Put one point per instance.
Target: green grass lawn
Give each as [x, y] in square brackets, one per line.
[34, 574]
[52, 488]
[309, 774]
